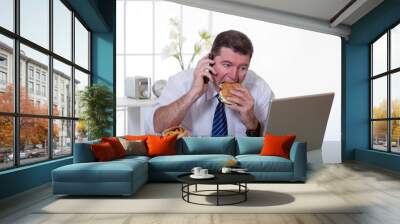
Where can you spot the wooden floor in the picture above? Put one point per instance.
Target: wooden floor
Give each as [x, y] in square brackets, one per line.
[378, 188]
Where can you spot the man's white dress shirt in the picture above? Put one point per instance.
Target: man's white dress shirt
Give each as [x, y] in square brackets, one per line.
[199, 118]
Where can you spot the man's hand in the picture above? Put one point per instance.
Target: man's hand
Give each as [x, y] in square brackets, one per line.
[203, 69]
[243, 103]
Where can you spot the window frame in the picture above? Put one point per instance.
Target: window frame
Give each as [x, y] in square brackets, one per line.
[15, 71]
[388, 74]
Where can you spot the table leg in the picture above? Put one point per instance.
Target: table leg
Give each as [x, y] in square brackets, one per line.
[245, 191]
[217, 194]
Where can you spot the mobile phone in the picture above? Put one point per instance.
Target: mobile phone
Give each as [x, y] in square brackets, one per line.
[206, 79]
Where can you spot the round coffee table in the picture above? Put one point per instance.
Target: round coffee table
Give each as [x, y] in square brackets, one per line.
[238, 179]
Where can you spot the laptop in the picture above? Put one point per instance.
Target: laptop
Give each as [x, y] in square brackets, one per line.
[304, 116]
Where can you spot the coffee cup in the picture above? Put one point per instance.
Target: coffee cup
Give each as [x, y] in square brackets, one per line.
[196, 171]
[203, 172]
[226, 170]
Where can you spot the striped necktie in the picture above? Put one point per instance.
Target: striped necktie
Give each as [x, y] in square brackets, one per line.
[219, 127]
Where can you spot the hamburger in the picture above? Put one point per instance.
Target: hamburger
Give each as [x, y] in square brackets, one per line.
[178, 130]
[224, 91]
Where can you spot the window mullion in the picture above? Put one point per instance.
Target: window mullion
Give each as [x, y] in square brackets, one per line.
[50, 81]
[389, 77]
[73, 81]
[16, 84]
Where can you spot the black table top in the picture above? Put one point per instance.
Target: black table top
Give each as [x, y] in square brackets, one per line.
[220, 178]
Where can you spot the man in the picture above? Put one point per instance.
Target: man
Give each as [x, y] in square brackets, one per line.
[189, 101]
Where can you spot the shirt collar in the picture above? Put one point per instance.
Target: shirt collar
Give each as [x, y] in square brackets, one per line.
[211, 93]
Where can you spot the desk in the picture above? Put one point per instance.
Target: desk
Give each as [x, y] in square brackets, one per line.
[130, 115]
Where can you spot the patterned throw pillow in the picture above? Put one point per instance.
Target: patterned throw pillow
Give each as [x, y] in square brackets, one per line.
[134, 147]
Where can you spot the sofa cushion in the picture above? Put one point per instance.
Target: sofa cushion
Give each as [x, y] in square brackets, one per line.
[185, 163]
[207, 145]
[257, 163]
[249, 145]
[111, 171]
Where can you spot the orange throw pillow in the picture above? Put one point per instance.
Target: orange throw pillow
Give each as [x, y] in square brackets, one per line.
[161, 145]
[103, 152]
[277, 145]
[116, 145]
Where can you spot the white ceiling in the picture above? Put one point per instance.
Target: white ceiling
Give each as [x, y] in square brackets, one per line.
[320, 9]
[316, 15]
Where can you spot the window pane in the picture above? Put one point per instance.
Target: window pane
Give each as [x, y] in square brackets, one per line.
[35, 21]
[164, 11]
[62, 29]
[62, 89]
[395, 94]
[379, 100]
[379, 55]
[33, 139]
[7, 14]
[6, 74]
[120, 76]
[81, 131]
[395, 47]
[6, 142]
[379, 135]
[191, 33]
[120, 27]
[139, 31]
[62, 138]
[395, 136]
[34, 79]
[139, 66]
[81, 45]
[81, 81]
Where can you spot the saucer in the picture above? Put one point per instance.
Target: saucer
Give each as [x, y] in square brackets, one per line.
[208, 176]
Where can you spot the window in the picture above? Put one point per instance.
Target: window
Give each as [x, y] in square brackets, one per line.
[385, 96]
[62, 74]
[3, 73]
[3, 61]
[44, 91]
[34, 21]
[7, 14]
[81, 45]
[37, 75]
[53, 125]
[30, 72]
[3, 78]
[62, 29]
[30, 87]
[38, 89]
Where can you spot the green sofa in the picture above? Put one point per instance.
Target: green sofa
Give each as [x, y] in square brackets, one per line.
[125, 176]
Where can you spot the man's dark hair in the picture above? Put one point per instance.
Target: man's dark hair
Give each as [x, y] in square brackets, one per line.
[235, 40]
